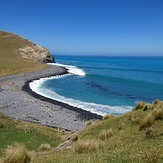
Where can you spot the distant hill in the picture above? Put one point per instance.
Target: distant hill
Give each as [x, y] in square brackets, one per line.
[17, 54]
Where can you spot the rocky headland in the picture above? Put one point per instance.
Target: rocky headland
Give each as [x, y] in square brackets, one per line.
[36, 53]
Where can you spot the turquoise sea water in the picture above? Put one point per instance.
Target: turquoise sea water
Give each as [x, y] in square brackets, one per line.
[109, 85]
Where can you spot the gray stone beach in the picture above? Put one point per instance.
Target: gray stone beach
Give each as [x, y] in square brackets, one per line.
[18, 101]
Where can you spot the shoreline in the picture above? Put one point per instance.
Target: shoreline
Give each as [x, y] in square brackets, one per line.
[83, 114]
[20, 102]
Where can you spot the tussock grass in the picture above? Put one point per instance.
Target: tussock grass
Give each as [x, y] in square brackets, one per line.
[106, 134]
[44, 147]
[16, 153]
[147, 122]
[158, 114]
[139, 105]
[107, 117]
[155, 102]
[90, 146]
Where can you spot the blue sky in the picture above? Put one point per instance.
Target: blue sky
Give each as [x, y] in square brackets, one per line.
[94, 27]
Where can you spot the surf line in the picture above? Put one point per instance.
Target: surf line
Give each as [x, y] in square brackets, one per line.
[99, 109]
[71, 69]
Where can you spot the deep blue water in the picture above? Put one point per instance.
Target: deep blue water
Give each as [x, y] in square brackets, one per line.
[116, 82]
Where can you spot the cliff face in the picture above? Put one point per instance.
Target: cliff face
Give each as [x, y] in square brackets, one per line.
[36, 53]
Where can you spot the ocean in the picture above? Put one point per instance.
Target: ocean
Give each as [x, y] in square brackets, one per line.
[104, 84]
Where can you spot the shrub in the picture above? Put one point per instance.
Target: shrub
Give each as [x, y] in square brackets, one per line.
[139, 106]
[105, 134]
[147, 121]
[88, 146]
[16, 153]
[107, 117]
[44, 147]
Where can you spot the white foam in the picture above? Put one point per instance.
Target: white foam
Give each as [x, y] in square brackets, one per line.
[36, 86]
[71, 69]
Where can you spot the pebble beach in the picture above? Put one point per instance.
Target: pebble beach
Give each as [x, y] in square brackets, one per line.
[18, 101]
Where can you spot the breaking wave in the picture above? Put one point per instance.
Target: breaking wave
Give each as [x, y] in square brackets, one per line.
[100, 109]
[71, 69]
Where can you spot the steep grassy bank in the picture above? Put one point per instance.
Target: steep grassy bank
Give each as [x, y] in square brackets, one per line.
[136, 136]
[11, 61]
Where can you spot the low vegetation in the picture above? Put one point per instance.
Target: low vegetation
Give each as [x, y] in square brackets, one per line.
[105, 134]
[136, 136]
[44, 147]
[88, 146]
[16, 153]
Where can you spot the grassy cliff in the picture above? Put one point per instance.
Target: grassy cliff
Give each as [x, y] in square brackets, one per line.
[11, 61]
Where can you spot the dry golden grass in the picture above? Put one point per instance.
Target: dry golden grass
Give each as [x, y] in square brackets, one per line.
[44, 147]
[139, 105]
[105, 134]
[107, 117]
[158, 114]
[147, 122]
[89, 146]
[16, 153]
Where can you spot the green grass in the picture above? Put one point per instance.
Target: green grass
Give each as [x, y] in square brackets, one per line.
[11, 62]
[30, 134]
[32, 141]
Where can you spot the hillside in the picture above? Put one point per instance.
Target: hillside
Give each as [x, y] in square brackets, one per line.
[136, 136]
[20, 55]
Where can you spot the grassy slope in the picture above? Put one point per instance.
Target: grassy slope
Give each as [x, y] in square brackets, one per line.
[127, 143]
[136, 136]
[10, 60]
